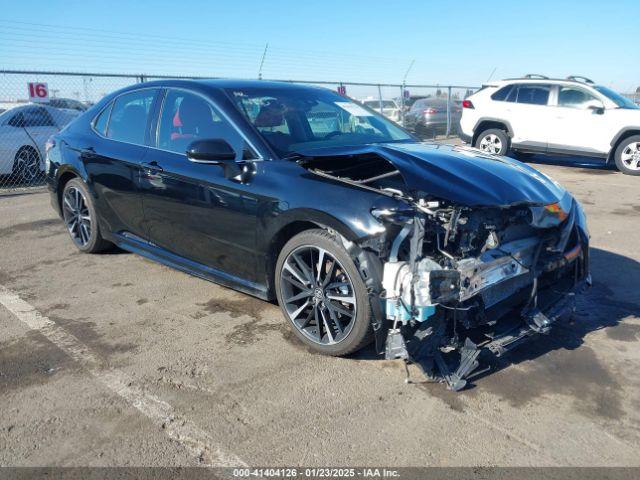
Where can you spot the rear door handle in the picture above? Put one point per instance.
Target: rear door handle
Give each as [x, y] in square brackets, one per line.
[152, 167]
[88, 152]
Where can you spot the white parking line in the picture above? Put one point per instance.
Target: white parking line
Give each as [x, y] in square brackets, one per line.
[178, 428]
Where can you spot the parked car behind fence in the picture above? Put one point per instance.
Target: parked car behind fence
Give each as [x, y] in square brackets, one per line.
[428, 117]
[24, 131]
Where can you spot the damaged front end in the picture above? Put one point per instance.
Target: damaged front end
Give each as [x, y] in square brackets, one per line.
[479, 281]
[459, 281]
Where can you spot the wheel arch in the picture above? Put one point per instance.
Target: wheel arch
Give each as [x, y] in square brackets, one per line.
[302, 221]
[619, 138]
[27, 147]
[62, 179]
[485, 123]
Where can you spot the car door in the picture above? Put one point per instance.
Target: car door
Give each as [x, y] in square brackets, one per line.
[526, 109]
[113, 159]
[192, 209]
[12, 137]
[579, 121]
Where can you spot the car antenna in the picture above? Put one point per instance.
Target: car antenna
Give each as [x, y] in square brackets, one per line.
[264, 55]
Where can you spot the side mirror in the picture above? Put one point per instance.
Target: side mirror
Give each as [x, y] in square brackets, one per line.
[214, 150]
[596, 109]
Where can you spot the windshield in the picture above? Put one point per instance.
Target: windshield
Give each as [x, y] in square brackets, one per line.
[615, 97]
[291, 119]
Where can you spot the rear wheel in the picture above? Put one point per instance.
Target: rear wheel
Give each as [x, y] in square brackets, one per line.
[322, 295]
[80, 217]
[26, 166]
[493, 141]
[627, 155]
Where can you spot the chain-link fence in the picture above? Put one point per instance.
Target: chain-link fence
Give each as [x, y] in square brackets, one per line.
[35, 105]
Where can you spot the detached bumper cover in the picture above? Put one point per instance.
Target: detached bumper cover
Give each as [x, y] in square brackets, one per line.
[536, 322]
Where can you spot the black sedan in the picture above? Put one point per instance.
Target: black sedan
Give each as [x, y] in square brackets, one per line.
[360, 231]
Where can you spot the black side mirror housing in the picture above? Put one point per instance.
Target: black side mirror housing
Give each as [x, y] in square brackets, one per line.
[596, 110]
[214, 150]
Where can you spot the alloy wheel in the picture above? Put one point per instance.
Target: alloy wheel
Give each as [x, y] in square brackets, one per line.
[631, 156]
[28, 166]
[491, 143]
[77, 216]
[318, 295]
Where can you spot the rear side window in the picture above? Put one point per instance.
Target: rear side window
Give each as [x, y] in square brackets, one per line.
[533, 94]
[502, 94]
[37, 117]
[100, 123]
[130, 116]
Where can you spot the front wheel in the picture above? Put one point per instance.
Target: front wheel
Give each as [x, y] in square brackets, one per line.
[627, 155]
[322, 295]
[494, 141]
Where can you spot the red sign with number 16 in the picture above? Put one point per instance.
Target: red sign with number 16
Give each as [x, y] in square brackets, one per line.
[38, 92]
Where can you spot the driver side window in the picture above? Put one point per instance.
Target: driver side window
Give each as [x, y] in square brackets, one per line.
[571, 97]
[187, 117]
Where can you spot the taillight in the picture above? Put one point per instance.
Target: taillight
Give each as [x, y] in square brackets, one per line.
[49, 144]
[430, 111]
[467, 104]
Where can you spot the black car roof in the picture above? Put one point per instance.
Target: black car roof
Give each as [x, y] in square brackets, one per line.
[220, 84]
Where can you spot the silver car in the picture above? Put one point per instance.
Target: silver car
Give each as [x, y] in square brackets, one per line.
[428, 117]
[23, 133]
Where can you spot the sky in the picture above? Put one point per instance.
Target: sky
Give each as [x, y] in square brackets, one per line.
[461, 42]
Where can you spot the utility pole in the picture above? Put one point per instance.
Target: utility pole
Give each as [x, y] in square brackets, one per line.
[402, 89]
[404, 79]
[264, 55]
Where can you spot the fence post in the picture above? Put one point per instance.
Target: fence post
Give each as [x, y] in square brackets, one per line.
[448, 111]
[402, 104]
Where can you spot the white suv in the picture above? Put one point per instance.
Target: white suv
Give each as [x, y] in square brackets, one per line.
[536, 114]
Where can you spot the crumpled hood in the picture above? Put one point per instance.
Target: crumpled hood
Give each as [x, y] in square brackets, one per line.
[460, 174]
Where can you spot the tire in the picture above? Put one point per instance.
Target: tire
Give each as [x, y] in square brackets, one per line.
[627, 155]
[493, 140]
[26, 166]
[318, 298]
[80, 217]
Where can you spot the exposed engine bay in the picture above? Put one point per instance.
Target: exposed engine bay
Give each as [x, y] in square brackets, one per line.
[459, 281]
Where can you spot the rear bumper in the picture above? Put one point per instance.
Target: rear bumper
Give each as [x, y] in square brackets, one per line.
[464, 137]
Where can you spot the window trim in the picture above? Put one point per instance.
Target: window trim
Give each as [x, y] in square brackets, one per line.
[157, 121]
[510, 87]
[112, 102]
[109, 106]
